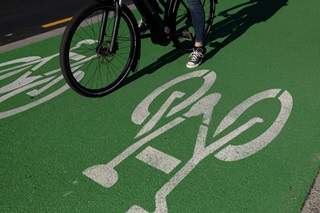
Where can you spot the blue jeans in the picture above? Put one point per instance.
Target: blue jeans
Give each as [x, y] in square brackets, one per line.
[197, 15]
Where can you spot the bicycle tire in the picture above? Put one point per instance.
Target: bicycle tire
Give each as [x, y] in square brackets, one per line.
[180, 21]
[90, 69]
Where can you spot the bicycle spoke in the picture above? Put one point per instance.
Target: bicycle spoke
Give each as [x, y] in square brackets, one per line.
[89, 41]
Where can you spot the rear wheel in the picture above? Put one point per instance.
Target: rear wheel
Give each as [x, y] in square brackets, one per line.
[88, 66]
[181, 22]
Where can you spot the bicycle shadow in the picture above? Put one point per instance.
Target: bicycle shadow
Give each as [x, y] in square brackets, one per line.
[163, 60]
[237, 20]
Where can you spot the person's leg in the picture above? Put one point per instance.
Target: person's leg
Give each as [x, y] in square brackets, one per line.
[197, 15]
[198, 21]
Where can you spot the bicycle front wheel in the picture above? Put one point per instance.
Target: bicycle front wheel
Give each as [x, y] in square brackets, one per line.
[181, 23]
[87, 64]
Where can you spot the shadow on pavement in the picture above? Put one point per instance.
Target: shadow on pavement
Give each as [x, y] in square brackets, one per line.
[237, 20]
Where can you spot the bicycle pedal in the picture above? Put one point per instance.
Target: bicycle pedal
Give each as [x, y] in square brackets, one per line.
[187, 35]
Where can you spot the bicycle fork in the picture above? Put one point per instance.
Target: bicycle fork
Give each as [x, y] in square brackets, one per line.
[113, 45]
[113, 42]
[118, 6]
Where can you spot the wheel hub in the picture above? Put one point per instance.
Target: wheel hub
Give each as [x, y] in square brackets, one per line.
[104, 55]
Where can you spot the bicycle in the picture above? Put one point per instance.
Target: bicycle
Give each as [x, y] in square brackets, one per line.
[106, 34]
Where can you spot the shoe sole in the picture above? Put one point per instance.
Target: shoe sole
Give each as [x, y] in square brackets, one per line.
[193, 66]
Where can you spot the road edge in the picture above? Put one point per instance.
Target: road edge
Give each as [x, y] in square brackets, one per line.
[31, 40]
[39, 37]
[312, 202]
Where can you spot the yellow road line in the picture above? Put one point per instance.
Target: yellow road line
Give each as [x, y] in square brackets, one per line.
[56, 22]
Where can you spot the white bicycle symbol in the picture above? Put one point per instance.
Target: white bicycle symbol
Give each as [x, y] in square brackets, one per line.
[201, 104]
[33, 80]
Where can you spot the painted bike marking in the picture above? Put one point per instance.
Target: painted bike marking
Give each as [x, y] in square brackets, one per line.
[201, 104]
[30, 79]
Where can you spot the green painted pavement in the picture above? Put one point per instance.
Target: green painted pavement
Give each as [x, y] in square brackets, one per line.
[256, 46]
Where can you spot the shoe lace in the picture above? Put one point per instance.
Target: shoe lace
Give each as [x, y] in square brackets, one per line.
[195, 55]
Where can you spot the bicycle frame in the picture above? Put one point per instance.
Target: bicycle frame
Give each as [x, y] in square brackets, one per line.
[156, 24]
[158, 34]
[158, 28]
[164, 21]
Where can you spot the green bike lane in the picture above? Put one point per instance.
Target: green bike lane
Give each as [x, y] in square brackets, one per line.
[237, 134]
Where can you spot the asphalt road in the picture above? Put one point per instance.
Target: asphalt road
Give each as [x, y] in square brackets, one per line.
[22, 19]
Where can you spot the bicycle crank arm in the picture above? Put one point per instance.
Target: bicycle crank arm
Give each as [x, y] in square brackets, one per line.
[185, 34]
